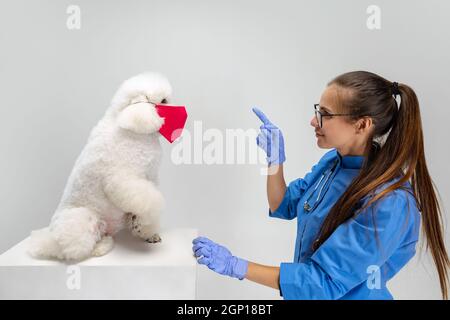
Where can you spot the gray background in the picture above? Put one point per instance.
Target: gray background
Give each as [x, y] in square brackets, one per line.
[222, 58]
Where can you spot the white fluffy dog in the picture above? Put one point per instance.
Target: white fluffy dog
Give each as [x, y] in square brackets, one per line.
[113, 182]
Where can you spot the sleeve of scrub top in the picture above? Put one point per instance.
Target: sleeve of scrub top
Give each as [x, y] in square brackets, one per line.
[343, 261]
[288, 206]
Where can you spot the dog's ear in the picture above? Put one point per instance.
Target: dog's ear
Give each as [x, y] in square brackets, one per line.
[140, 118]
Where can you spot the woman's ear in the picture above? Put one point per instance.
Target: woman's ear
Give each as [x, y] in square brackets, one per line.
[140, 118]
[364, 124]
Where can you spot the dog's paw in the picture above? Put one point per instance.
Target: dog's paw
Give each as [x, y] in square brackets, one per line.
[143, 231]
[103, 246]
[154, 239]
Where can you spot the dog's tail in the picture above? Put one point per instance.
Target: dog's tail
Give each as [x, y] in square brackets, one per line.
[43, 245]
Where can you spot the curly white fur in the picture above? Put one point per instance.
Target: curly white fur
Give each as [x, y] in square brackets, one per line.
[114, 181]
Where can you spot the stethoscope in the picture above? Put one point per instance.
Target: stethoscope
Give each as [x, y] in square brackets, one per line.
[306, 205]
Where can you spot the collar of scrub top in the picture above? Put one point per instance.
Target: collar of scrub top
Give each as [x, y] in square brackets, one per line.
[345, 162]
[349, 162]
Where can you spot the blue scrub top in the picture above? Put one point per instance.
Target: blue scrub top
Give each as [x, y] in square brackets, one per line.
[363, 253]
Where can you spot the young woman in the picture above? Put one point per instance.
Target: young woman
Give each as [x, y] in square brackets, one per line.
[360, 208]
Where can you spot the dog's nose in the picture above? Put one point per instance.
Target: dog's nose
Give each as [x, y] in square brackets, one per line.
[164, 101]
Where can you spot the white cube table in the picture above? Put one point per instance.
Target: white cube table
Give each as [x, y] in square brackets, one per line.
[134, 269]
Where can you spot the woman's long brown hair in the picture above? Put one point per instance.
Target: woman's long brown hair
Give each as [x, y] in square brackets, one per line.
[401, 156]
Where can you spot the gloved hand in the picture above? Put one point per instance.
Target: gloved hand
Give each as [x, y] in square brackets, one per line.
[270, 139]
[218, 258]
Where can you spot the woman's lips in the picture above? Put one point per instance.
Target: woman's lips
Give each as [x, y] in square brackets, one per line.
[319, 135]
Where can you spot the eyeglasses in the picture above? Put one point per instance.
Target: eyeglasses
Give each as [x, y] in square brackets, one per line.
[319, 114]
[163, 101]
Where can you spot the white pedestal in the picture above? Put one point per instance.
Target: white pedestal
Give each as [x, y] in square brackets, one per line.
[132, 270]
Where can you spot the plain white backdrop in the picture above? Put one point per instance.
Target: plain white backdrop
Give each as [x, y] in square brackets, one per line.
[222, 58]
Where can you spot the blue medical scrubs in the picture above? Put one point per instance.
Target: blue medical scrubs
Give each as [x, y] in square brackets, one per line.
[363, 253]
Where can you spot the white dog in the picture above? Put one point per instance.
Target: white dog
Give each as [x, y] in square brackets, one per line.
[113, 182]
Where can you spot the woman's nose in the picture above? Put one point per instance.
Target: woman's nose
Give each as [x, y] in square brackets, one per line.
[313, 122]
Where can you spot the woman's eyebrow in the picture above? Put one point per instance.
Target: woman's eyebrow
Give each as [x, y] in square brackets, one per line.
[325, 109]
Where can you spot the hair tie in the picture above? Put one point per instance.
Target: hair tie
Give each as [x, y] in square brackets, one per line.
[395, 90]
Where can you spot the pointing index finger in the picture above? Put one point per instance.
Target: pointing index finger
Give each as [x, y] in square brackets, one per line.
[261, 116]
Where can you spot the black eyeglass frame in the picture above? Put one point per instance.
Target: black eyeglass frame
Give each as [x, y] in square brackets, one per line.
[319, 118]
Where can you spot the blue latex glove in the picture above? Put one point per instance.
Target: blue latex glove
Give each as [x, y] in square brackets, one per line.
[218, 258]
[270, 139]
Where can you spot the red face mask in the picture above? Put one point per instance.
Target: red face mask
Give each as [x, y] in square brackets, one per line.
[174, 120]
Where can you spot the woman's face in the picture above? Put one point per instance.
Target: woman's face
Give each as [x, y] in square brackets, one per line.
[337, 132]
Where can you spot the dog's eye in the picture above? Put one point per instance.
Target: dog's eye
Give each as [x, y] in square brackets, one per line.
[164, 101]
